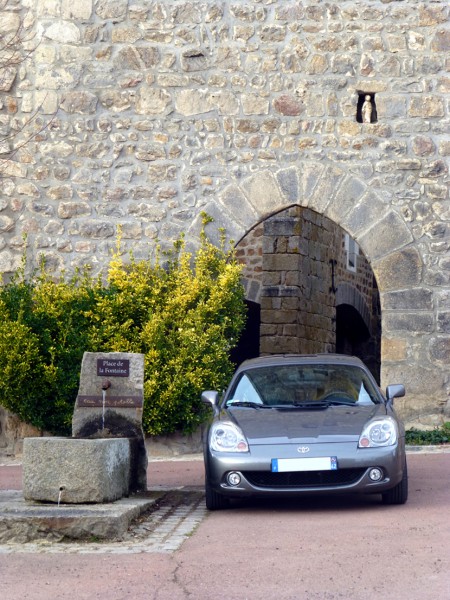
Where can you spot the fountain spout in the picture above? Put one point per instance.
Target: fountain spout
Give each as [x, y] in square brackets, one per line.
[105, 385]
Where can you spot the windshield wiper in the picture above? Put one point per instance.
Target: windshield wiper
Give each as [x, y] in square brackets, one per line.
[339, 402]
[241, 403]
[303, 406]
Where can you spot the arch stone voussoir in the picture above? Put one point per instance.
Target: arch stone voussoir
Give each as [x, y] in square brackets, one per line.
[326, 188]
[288, 180]
[264, 194]
[310, 175]
[385, 236]
[234, 201]
[347, 196]
[400, 270]
[362, 216]
[221, 218]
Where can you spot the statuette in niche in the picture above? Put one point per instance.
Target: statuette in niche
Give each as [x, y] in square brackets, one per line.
[366, 110]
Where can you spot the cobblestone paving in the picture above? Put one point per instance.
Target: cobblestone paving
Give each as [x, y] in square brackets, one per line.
[163, 529]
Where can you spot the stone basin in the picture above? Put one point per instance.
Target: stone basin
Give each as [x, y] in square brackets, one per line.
[76, 471]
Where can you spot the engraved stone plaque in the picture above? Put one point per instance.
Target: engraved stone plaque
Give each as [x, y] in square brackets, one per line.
[113, 368]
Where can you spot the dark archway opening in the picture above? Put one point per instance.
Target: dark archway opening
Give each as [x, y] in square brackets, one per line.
[248, 346]
[354, 338]
[351, 331]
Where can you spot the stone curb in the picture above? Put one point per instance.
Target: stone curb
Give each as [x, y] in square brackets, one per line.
[437, 449]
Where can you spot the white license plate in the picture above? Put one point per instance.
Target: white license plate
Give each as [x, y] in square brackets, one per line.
[321, 463]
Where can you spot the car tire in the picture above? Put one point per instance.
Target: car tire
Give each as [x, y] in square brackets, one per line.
[214, 501]
[399, 493]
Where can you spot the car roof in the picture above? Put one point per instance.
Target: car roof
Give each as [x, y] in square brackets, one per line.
[285, 359]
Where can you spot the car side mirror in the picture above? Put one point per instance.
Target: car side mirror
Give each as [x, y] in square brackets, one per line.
[211, 397]
[395, 391]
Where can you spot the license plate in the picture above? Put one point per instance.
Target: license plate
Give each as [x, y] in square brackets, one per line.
[321, 463]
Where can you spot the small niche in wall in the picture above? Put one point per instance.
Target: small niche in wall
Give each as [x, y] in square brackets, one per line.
[366, 110]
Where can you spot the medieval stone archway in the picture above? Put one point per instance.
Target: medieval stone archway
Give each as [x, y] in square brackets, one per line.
[410, 348]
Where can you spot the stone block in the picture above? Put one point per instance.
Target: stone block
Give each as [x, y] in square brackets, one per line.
[443, 322]
[263, 193]
[76, 9]
[426, 107]
[346, 198]
[326, 189]
[391, 106]
[440, 349]
[413, 322]
[76, 471]
[280, 262]
[279, 345]
[288, 182]
[399, 270]
[193, 102]
[391, 234]
[152, 101]
[367, 212]
[254, 104]
[414, 298]
[441, 41]
[393, 349]
[279, 316]
[310, 175]
[237, 204]
[285, 226]
[272, 278]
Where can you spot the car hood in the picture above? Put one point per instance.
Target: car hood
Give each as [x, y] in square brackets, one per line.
[272, 426]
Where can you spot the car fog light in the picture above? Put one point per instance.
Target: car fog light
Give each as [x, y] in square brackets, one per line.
[375, 474]
[233, 479]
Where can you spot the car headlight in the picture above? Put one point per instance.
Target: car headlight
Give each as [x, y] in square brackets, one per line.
[227, 437]
[381, 432]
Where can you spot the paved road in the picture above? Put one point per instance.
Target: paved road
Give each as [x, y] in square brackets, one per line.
[322, 549]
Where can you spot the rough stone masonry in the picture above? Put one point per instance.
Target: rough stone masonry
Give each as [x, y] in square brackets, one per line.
[145, 114]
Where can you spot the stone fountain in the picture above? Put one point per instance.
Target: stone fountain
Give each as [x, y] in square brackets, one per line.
[90, 484]
[105, 459]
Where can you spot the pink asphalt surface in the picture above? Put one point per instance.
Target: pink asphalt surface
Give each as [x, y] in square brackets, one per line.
[310, 549]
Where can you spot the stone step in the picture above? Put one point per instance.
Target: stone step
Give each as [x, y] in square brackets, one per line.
[23, 521]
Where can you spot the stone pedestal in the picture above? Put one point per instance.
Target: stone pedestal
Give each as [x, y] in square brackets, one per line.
[77, 471]
[110, 404]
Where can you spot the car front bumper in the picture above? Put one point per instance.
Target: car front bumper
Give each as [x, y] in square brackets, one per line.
[351, 476]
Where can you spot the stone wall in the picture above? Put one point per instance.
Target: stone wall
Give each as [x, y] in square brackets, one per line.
[150, 113]
[297, 306]
[12, 433]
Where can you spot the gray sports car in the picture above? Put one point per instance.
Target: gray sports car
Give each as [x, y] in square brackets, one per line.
[304, 424]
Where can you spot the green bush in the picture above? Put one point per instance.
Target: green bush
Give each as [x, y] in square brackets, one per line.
[43, 334]
[439, 435]
[185, 316]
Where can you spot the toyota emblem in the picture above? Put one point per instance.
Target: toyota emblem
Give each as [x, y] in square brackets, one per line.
[303, 449]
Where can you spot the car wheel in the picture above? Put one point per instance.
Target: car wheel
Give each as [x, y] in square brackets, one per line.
[214, 501]
[399, 493]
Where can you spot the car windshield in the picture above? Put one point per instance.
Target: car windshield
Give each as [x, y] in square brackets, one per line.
[320, 385]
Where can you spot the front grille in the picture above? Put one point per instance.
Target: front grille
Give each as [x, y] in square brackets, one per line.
[301, 479]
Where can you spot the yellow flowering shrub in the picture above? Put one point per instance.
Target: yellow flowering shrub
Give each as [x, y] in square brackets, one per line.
[183, 312]
[185, 317]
